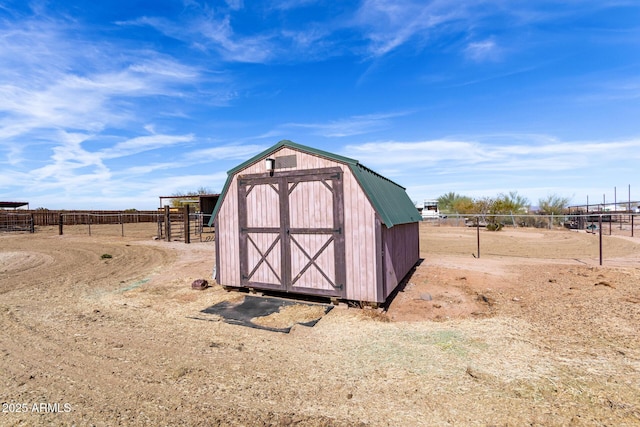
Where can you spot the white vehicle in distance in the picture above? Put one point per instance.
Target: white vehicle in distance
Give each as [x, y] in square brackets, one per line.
[429, 209]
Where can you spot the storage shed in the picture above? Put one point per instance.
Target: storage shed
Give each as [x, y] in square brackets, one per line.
[301, 220]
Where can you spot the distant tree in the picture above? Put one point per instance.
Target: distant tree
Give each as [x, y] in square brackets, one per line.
[464, 205]
[176, 203]
[445, 202]
[484, 206]
[204, 190]
[505, 204]
[511, 203]
[553, 204]
[455, 203]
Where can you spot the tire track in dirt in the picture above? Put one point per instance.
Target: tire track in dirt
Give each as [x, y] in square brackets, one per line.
[77, 263]
[52, 338]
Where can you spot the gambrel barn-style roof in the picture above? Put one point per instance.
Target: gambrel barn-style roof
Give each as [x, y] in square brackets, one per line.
[388, 198]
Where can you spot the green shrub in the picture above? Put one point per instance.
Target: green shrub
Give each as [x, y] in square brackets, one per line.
[496, 226]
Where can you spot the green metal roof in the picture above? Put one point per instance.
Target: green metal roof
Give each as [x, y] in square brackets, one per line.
[389, 199]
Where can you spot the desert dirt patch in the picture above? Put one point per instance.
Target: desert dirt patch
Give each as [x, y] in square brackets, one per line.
[534, 332]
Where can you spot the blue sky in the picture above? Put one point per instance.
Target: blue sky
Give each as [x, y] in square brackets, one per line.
[111, 104]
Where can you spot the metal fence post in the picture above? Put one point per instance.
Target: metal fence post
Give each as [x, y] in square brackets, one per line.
[60, 224]
[478, 234]
[187, 231]
[600, 235]
[167, 223]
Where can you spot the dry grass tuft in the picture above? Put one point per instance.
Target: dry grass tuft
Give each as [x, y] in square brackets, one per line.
[374, 314]
[290, 315]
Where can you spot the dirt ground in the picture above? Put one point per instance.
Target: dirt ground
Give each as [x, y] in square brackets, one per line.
[100, 331]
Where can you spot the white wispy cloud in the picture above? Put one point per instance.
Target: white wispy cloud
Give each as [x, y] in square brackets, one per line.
[449, 155]
[48, 82]
[235, 4]
[144, 143]
[351, 126]
[611, 87]
[165, 69]
[61, 91]
[183, 183]
[224, 152]
[486, 50]
[218, 33]
[149, 168]
[392, 23]
[71, 166]
[208, 30]
[290, 4]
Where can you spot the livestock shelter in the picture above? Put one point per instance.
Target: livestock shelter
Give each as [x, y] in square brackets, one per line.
[300, 220]
[13, 205]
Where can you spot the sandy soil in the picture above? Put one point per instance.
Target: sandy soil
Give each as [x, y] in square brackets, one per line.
[534, 332]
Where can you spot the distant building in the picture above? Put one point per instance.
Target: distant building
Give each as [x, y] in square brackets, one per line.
[13, 205]
[429, 209]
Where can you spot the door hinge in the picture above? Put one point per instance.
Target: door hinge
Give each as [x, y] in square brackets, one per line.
[338, 230]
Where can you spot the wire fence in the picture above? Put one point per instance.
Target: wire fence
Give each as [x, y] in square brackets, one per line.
[16, 223]
[610, 224]
[626, 225]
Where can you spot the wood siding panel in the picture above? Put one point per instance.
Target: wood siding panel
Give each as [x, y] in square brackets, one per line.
[318, 275]
[359, 231]
[303, 160]
[269, 269]
[401, 246]
[263, 206]
[228, 237]
[311, 204]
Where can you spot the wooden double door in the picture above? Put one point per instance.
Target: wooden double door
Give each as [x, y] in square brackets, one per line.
[292, 231]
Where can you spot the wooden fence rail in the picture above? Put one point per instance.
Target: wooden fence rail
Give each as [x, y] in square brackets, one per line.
[52, 217]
